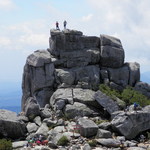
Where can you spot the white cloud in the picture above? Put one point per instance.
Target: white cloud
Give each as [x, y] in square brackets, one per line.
[34, 39]
[127, 20]
[4, 41]
[87, 18]
[6, 4]
[25, 37]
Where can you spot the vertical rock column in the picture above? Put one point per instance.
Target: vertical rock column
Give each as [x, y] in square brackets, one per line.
[38, 78]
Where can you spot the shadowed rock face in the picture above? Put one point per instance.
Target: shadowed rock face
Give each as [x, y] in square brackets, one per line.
[131, 123]
[10, 126]
[76, 61]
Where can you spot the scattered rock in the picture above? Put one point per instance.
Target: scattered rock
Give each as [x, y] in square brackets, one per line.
[86, 147]
[87, 127]
[109, 142]
[77, 109]
[103, 134]
[136, 148]
[37, 120]
[19, 144]
[32, 127]
[43, 130]
[105, 125]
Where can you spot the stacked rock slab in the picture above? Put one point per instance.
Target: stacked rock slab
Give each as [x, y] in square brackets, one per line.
[76, 61]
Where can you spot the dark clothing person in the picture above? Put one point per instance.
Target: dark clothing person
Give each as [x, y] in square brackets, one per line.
[57, 26]
[135, 106]
[65, 23]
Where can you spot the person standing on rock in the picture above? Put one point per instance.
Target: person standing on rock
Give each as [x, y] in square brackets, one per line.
[65, 23]
[57, 25]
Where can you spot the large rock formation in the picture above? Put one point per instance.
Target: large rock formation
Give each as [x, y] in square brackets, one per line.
[132, 123]
[76, 61]
[10, 126]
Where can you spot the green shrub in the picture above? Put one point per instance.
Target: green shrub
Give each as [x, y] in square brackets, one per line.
[108, 91]
[63, 141]
[128, 95]
[92, 143]
[5, 144]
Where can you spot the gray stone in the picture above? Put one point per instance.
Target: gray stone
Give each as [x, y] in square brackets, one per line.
[71, 134]
[103, 134]
[143, 87]
[61, 94]
[43, 130]
[52, 145]
[116, 113]
[130, 124]
[109, 142]
[23, 118]
[10, 127]
[135, 148]
[58, 129]
[85, 96]
[43, 96]
[120, 103]
[60, 104]
[58, 133]
[46, 113]
[75, 147]
[112, 57]
[80, 58]
[121, 138]
[32, 108]
[32, 127]
[147, 108]
[89, 75]
[87, 127]
[129, 144]
[60, 122]
[115, 86]
[105, 125]
[112, 53]
[39, 58]
[49, 122]
[71, 40]
[75, 76]
[134, 69]
[106, 102]
[86, 147]
[38, 78]
[111, 41]
[19, 144]
[30, 136]
[119, 76]
[65, 76]
[104, 74]
[37, 120]
[77, 109]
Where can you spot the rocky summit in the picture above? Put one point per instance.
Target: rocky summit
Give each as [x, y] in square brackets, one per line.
[73, 61]
[61, 99]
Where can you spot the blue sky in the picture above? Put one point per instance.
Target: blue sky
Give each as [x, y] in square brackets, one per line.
[25, 26]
